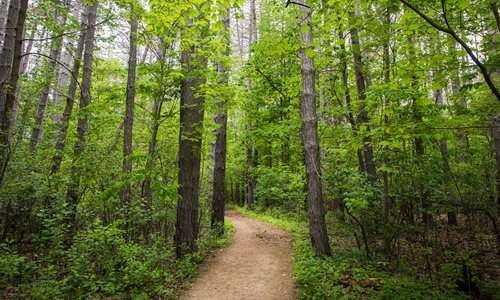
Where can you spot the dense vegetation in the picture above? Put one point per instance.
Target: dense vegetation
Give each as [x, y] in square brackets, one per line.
[369, 129]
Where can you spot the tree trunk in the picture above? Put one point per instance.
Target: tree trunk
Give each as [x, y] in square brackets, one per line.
[219, 177]
[62, 131]
[250, 180]
[128, 122]
[10, 60]
[363, 119]
[64, 73]
[190, 138]
[22, 69]
[317, 225]
[73, 193]
[55, 51]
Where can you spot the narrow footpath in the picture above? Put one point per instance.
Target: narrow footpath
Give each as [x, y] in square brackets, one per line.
[255, 266]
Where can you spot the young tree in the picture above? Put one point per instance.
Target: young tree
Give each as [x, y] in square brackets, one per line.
[129, 106]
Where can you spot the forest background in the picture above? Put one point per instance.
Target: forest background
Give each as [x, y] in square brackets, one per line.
[127, 125]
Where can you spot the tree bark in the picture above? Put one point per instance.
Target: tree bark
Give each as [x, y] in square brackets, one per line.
[128, 122]
[219, 177]
[73, 193]
[190, 141]
[317, 224]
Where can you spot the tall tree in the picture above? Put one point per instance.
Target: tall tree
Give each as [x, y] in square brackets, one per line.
[220, 118]
[190, 138]
[62, 128]
[128, 122]
[73, 193]
[251, 159]
[55, 51]
[10, 60]
[363, 118]
[315, 206]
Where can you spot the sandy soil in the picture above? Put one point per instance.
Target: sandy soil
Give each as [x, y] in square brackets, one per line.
[255, 266]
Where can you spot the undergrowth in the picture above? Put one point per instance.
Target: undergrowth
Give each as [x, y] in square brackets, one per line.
[348, 273]
[101, 263]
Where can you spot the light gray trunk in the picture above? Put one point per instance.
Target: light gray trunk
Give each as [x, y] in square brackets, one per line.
[62, 129]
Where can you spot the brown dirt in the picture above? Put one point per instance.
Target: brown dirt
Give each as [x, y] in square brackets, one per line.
[255, 266]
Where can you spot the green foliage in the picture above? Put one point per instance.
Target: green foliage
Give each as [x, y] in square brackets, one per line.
[102, 263]
[279, 187]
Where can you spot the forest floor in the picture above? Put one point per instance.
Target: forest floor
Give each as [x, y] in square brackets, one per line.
[255, 266]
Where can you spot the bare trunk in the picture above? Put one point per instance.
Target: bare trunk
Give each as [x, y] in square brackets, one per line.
[73, 193]
[190, 141]
[363, 120]
[317, 225]
[128, 122]
[219, 177]
[62, 130]
[55, 50]
[250, 180]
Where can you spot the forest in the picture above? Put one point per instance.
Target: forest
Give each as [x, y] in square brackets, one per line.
[368, 130]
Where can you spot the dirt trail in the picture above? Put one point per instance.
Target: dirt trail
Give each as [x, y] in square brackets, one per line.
[255, 266]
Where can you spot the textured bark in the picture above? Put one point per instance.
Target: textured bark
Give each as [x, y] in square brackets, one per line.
[363, 120]
[6, 60]
[73, 193]
[220, 118]
[317, 225]
[10, 62]
[190, 138]
[128, 122]
[62, 130]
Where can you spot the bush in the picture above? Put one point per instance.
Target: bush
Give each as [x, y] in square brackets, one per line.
[279, 186]
[102, 263]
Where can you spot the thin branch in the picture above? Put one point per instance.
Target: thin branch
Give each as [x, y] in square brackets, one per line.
[271, 82]
[57, 62]
[469, 51]
[68, 33]
[288, 2]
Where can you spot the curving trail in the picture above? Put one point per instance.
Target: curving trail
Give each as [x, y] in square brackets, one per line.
[255, 266]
